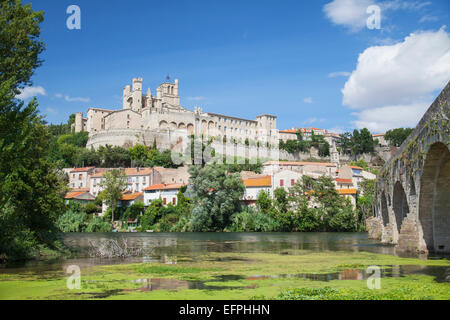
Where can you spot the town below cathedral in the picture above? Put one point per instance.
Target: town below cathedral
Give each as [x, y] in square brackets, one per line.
[280, 158]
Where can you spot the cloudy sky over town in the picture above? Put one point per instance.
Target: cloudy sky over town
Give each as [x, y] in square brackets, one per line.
[311, 63]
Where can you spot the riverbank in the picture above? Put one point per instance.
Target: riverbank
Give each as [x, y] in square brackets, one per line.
[289, 274]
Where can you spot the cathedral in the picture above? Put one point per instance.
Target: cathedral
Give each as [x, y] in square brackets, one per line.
[145, 118]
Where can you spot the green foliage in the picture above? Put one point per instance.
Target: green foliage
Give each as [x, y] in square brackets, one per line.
[97, 224]
[251, 220]
[133, 211]
[357, 143]
[113, 184]
[361, 163]
[397, 136]
[71, 221]
[91, 208]
[30, 188]
[216, 196]
[301, 145]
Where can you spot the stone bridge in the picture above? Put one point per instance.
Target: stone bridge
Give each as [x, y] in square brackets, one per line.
[412, 202]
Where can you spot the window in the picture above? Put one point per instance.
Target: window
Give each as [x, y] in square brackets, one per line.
[281, 183]
[80, 177]
[164, 201]
[174, 201]
[292, 182]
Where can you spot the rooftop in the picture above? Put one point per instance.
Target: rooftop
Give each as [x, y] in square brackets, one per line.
[131, 196]
[265, 181]
[86, 169]
[162, 186]
[346, 191]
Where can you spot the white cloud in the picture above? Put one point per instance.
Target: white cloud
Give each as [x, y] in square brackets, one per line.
[428, 18]
[388, 79]
[72, 99]
[77, 99]
[199, 98]
[404, 5]
[389, 117]
[308, 100]
[29, 92]
[339, 74]
[349, 13]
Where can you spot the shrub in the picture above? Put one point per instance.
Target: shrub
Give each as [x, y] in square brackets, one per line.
[71, 221]
[97, 224]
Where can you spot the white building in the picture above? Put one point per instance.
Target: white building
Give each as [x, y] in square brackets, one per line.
[137, 179]
[285, 179]
[79, 177]
[312, 169]
[168, 193]
[254, 185]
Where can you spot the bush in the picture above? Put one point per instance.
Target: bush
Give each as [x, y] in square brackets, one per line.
[97, 224]
[91, 208]
[71, 221]
[251, 220]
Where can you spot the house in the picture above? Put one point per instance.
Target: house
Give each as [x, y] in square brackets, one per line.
[128, 199]
[312, 169]
[81, 195]
[381, 139]
[349, 194]
[168, 193]
[137, 179]
[285, 179]
[79, 177]
[343, 183]
[253, 186]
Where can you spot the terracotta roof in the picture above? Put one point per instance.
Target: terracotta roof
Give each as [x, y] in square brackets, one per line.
[356, 167]
[346, 191]
[131, 196]
[299, 163]
[344, 180]
[172, 186]
[82, 169]
[71, 195]
[378, 135]
[138, 171]
[265, 181]
[288, 131]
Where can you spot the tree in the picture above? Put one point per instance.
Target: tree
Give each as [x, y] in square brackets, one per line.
[397, 136]
[30, 188]
[216, 197]
[113, 184]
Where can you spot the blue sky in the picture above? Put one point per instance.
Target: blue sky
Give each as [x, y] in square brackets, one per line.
[289, 58]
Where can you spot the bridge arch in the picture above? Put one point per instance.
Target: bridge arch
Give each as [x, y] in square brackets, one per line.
[434, 202]
[400, 204]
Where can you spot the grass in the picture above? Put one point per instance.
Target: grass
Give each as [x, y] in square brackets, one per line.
[233, 276]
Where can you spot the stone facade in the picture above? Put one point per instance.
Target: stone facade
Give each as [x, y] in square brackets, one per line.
[145, 118]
